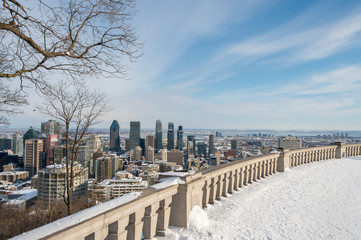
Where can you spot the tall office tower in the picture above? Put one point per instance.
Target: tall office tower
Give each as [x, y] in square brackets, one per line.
[31, 134]
[180, 138]
[52, 183]
[84, 156]
[170, 136]
[162, 154]
[114, 144]
[127, 144]
[142, 145]
[202, 148]
[50, 142]
[211, 148]
[134, 134]
[158, 135]
[6, 143]
[99, 153]
[175, 156]
[218, 134]
[93, 142]
[150, 141]
[18, 146]
[51, 127]
[234, 143]
[59, 154]
[104, 168]
[33, 155]
[136, 154]
[191, 145]
[150, 154]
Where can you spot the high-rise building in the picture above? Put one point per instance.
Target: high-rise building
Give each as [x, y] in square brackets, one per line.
[142, 145]
[51, 127]
[218, 134]
[136, 154]
[202, 149]
[6, 143]
[158, 135]
[114, 144]
[215, 159]
[150, 154]
[134, 134]
[52, 183]
[180, 138]
[93, 142]
[18, 146]
[104, 168]
[162, 154]
[127, 144]
[59, 154]
[50, 142]
[191, 145]
[211, 148]
[33, 155]
[234, 143]
[31, 134]
[150, 141]
[175, 156]
[170, 136]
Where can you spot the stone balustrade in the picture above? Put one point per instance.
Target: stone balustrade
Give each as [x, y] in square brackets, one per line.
[152, 212]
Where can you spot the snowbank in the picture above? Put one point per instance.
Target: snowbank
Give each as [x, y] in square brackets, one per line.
[320, 200]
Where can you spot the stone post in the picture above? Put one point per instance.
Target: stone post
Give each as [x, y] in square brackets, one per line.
[150, 221]
[117, 231]
[163, 216]
[135, 226]
[340, 150]
[225, 184]
[283, 160]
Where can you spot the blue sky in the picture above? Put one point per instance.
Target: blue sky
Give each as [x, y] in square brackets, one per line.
[257, 64]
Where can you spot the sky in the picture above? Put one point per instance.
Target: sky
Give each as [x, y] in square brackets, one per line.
[257, 64]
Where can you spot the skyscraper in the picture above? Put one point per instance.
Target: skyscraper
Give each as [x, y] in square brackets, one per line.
[150, 141]
[170, 136]
[191, 145]
[211, 147]
[114, 136]
[50, 142]
[180, 138]
[33, 155]
[51, 127]
[134, 134]
[31, 134]
[202, 148]
[158, 135]
[18, 146]
[234, 143]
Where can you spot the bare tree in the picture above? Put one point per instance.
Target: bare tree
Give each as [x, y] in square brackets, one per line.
[10, 101]
[74, 37]
[78, 108]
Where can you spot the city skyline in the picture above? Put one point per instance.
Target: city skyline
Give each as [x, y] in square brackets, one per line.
[239, 65]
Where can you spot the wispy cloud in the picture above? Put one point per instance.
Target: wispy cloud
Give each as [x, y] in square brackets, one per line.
[303, 43]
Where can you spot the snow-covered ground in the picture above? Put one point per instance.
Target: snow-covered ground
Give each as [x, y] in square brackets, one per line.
[321, 200]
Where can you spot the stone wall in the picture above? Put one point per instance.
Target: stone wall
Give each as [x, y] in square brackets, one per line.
[154, 210]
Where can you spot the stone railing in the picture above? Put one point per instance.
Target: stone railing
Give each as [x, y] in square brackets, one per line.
[152, 212]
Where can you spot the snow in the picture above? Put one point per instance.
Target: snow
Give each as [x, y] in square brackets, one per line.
[178, 174]
[167, 182]
[320, 200]
[78, 217]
